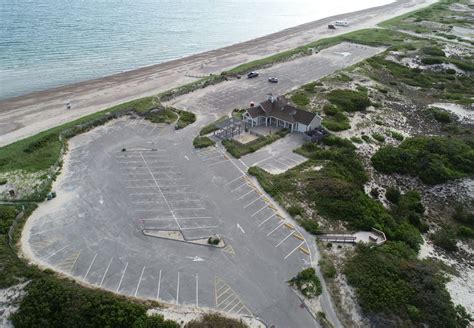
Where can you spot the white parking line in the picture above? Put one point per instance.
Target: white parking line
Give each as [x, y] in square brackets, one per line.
[211, 158]
[231, 303]
[121, 279]
[233, 180]
[235, 306]
[159, 285]
[271, 216]
[261, 161]
[283, 240]
[252, 202]
[139, 281]
[291, 159]
[218, 162]
[275, 229]
[189, 209]
[237, 188]
[56, 252]
[284, 164]
[90, 266]
[251, 190]
[195, 228]
[294, 250]
[266, 205]
[197, 288]
[105, 273]
[177, 291]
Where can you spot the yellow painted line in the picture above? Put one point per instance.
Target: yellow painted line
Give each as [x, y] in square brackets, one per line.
[304, 250]
[273, 208]
[298, 236]
[289, 225]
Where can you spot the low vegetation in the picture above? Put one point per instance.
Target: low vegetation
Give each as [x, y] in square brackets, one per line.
[203, 142]
[238, 149]
[164, 115]
[212, 127]
[433, 159]
[307, 283]
[185, 119]
[215, 321]
[50, 302]
[335, 120]
[396, 289]
[336, 192]
[349, 100]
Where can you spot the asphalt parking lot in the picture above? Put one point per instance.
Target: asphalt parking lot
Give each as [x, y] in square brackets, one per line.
[93, 230]
[277, 157]
[224, 97]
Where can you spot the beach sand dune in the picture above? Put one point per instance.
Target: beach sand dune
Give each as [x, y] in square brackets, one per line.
[27, 115]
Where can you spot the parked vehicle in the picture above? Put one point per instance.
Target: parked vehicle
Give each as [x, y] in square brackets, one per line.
[331, 27]
[251, 75]
[342, 23]
[273, 79]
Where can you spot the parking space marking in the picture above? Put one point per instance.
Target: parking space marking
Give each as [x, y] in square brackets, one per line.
[159, 285]
[121, 278]
[197, 290]
[239, 187]
[239, 177]
[294, 250]
[254, 201]
[223, 294]
[177, 291]
[226, 160]
[271, 216]
[105, 273]
[284, 239]
[56, 252]
[139, 281]
[229, 249]
[247, 193]
[196, 228]
[90, 266]
[211, 158]
[69, 263]
[258, 211]
[278, 226]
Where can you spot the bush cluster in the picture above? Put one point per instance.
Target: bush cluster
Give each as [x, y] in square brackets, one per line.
[433, 159]
[307, 283]
[349, 100]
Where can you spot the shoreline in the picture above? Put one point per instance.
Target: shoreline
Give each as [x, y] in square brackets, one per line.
[38, 111]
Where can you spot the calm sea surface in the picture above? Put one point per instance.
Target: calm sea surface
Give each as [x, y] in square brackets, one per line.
[48, 43]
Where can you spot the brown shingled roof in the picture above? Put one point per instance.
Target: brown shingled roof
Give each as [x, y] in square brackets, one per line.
[280, 109]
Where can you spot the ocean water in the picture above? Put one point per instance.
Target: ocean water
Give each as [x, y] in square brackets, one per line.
[49, 43]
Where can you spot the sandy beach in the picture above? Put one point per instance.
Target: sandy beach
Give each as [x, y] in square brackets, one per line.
[27, 115]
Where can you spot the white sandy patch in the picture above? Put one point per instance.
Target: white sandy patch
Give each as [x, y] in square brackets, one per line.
[460, 111]
[9, 299]
[461, 288]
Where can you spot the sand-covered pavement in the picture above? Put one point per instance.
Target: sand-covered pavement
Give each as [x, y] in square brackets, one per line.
[27, 115]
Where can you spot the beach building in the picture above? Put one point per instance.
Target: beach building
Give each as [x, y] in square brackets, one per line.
[276, 111]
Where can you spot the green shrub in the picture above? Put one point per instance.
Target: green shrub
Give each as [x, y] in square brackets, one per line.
[310, 225]
[338, 122]
[433, 159]
[397, 136]
[366, 138]
[327, 268]
[295, 210]
[330, 110]
[433, 51]
[446, 239]
[349, 100]
[3, 182]
[300, 99]
[307, 283]
[441, 116]
[214, 320]
[462, 215]
[356, 140]
[53, 303]
[165, 115]
[431, 61]
[397, 288]
[310, 87]
[393, 195]
[378, 137]
[466, 232]
[203, 142]
[185, 119]
[450, 71]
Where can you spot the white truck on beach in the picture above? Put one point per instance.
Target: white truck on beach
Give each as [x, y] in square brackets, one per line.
[342, 23]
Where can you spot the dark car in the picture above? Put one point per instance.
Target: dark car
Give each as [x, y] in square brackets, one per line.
[251, 75]
[273, 79]
[331, 27]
